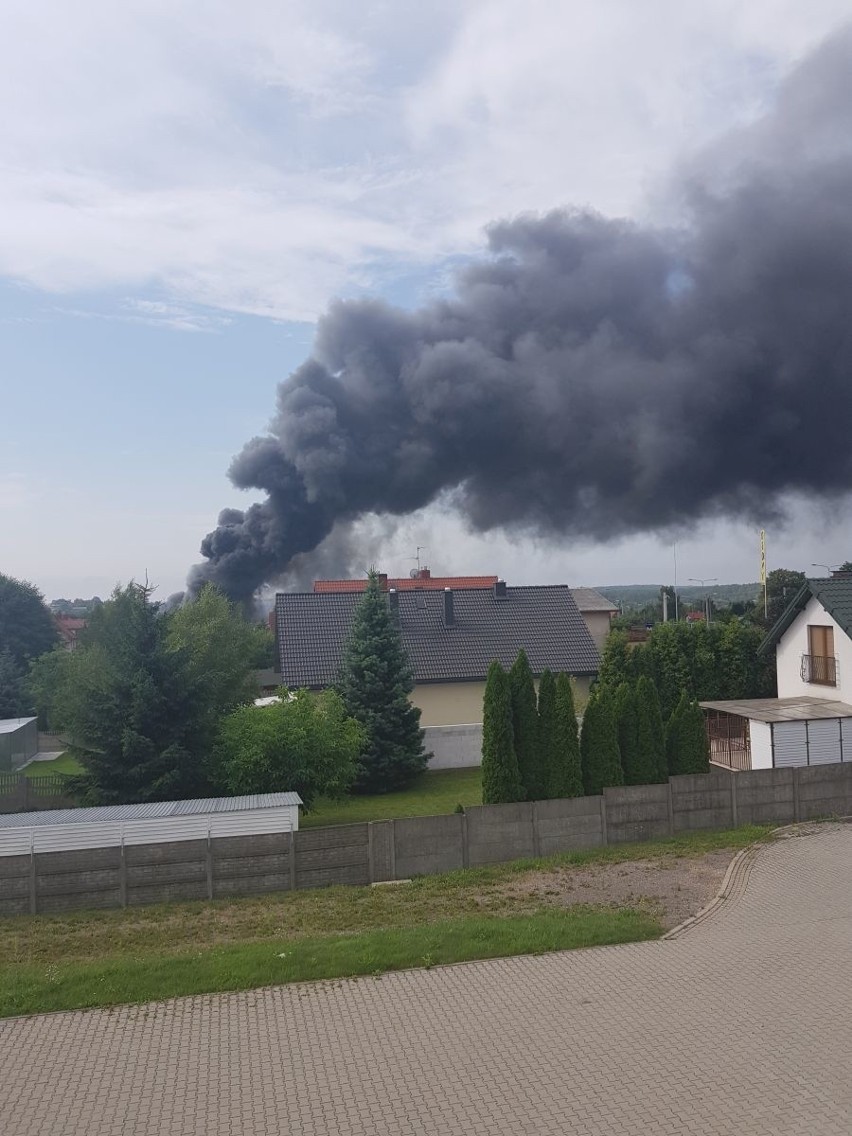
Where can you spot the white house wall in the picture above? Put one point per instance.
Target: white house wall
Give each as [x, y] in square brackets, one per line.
[794, 644]
[760, 737]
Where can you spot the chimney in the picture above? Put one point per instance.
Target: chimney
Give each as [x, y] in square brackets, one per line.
[393, 601]
[449, 617]
[500, 590]
[383, 581]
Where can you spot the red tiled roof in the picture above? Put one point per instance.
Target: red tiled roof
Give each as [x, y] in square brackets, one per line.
[409, 584]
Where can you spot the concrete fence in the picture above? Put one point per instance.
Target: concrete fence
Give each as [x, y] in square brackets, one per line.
[398, 849]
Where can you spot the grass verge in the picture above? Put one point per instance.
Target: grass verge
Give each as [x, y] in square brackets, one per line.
[65, 763]
[36, 989]
[431, 794]
[100, 958]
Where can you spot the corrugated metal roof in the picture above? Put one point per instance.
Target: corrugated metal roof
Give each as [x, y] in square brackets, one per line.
[9, 725]
[149, 810]
[544, 620]
[783, 709]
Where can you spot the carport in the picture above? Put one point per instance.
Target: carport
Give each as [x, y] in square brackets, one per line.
[770, 733]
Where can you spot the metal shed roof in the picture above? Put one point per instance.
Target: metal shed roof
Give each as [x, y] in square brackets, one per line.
[783, 709]
[151, 810]
[9, 725]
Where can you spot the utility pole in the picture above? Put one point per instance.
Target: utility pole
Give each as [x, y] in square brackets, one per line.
[675, 582]
[703, 583]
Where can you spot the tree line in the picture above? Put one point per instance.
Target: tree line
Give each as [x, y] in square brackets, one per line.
[533, 749]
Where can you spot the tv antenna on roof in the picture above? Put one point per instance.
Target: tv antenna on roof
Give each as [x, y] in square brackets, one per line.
[420, 548]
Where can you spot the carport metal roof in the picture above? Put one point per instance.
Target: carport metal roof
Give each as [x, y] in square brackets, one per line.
[782, 709]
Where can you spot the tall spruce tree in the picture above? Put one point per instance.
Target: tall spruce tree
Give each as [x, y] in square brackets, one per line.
[128, 706]
[375, 682]
[547, 733]
[652, 766]
[687, 750]
[501, 780]
[600, 759]
[628, 735]
[566, 772]
[525, 726]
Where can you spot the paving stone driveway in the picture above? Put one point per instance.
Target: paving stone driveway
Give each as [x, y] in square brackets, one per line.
[741, 1025]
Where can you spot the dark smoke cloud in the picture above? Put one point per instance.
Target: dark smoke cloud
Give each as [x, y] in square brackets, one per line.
[592, 377]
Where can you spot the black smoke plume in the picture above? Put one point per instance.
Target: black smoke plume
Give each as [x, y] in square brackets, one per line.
[592, 377]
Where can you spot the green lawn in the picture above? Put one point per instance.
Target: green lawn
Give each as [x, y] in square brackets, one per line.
[102, 958]
[65, 763]
[433, 793]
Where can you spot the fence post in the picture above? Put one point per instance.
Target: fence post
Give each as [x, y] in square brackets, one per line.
[209, 864]
[535, 834]
[292, 859]
[604, 837]
[465, 844]
[122, 873]
[33, 900]
[796, 809]
[670, 806]
[735, 820]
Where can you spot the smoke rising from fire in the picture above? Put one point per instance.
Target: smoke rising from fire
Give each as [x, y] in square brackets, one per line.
[590, 377]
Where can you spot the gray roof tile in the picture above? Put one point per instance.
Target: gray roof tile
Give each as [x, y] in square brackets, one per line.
[313, 627]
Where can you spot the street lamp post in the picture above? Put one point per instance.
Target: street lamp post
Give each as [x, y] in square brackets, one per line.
[710, 580]
[828, 567]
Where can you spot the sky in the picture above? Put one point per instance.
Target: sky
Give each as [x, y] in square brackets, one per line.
[186, 186]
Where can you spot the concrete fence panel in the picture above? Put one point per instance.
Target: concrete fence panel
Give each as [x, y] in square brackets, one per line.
[338, 855]
[702, 800]
[15, 884]
[764, 796]
[637, 812]
[568, 825]
[499, 833]
[425, 846]
[250, 865]
[64, 881]
[825, 790]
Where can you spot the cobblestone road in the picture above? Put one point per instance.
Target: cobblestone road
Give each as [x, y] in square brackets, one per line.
[741, 1025]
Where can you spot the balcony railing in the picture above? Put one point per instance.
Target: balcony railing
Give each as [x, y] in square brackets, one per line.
[819, 669]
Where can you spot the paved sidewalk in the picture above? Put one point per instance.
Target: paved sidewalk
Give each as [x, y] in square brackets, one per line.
[742, 1026]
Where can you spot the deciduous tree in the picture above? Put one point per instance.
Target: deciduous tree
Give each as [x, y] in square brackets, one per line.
[305, 744]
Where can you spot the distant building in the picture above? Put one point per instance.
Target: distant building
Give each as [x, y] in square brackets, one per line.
[597, 611]
[420, 579]
[810, 722]
[69, 628]
[452, 635]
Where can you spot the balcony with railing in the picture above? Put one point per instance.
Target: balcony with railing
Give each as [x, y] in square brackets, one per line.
[820, 669]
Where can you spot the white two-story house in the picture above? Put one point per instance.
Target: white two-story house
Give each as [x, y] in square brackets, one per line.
[810, 722]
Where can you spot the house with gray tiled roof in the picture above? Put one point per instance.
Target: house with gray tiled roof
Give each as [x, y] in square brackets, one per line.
[452, 636]
[597, 611]
[810, 722]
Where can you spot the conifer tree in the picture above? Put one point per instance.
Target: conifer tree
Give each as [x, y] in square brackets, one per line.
[525, 727]
[501, 782]
[566, 773]
[376, 680]
[599, 755]
[628, 735]
[686, 739]
[652, 766]
[547, 735]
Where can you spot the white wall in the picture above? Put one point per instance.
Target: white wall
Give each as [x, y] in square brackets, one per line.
[760, 735]
[794, 644]
[454, 747]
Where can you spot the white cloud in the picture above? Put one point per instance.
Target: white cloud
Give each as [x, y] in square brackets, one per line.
[261, 157]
